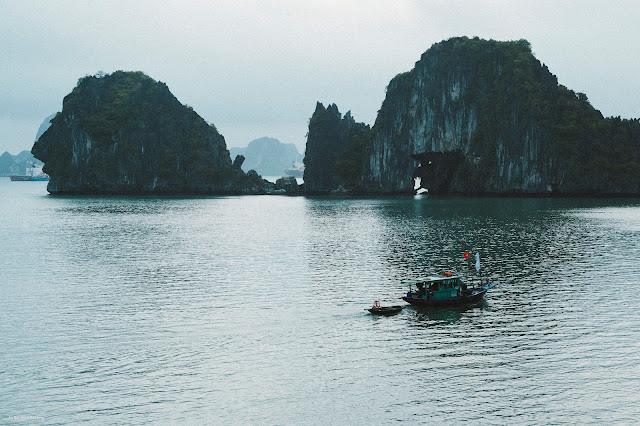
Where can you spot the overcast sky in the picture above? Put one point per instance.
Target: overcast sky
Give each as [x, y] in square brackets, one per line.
[257, 68]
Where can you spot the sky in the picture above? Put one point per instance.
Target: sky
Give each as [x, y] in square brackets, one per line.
[257, 68]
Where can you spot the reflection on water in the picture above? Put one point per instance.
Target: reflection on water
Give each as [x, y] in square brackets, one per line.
[251, 309]
[426, 316]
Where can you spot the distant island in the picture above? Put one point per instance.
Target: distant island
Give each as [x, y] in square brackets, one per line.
[476, 117]
[268, 156]
[17, 164]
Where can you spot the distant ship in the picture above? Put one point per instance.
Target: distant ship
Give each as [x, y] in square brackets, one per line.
[296, 170]
[32, 173]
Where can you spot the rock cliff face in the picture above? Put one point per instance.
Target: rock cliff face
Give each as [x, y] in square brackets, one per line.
[331, 145]
[126, 133]
[472, 97]
[478, 116]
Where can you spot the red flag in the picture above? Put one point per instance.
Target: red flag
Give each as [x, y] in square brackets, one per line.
[467, 254]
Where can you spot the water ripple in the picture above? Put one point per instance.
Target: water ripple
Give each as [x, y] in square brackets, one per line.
[251, 310]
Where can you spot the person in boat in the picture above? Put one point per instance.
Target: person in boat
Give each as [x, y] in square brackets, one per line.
[421, 290]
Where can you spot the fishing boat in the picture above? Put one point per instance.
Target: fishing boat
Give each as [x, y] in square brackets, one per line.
[296, 170]
[446, 289]
[376, 309]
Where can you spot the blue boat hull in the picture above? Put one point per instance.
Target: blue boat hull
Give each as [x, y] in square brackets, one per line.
[474, 297]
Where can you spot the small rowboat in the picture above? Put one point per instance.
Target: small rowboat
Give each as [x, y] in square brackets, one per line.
[384, 310]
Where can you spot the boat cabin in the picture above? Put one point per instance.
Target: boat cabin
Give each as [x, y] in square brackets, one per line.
[436, 287]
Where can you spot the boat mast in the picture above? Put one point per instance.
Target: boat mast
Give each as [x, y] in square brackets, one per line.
[478, 266]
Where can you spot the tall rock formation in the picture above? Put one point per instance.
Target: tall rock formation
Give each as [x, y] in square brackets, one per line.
[332, 157]
[482, 103]
[126, 133]
[482, 116]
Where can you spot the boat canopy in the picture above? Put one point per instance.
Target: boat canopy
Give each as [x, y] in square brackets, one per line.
[434, 278]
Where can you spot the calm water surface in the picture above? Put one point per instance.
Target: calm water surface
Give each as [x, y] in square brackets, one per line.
[250, 309]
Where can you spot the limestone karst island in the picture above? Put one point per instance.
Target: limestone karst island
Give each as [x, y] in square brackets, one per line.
[472, 117]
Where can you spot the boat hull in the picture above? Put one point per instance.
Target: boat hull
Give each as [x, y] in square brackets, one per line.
[27, 178]
[475, 297]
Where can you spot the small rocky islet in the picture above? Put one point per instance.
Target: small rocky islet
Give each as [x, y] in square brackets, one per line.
[472, 117]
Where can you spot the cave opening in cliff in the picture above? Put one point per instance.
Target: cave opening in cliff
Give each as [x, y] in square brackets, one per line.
[435, 171]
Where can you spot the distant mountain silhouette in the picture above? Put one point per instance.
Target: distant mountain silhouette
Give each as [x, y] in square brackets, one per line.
[16, 164]
[267, 156]
[45, 125]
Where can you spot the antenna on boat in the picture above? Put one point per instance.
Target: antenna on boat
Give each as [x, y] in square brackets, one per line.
[478, 266]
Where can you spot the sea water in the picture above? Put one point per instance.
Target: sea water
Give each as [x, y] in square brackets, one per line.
[251, 309]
